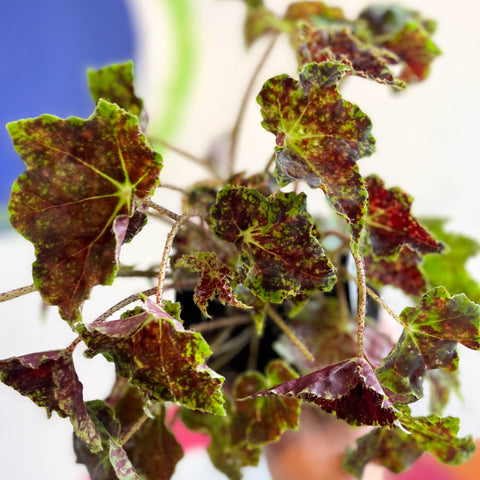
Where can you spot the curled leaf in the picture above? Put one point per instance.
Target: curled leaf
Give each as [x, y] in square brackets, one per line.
[76, 198]
[349, 389]
[155, 352]
[49, 379]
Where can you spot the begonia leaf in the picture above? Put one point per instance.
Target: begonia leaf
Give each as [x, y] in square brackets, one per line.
[262, 420]
[397, 449]
[259, 21]
[215, 280]
[319, 136]
[390, 223]
[349, 389]
[165, 361]
[406, 34]
[401, 271]
[341, 45]
[313, 12]
[449, 269]
[227, 456]
[154, 450]
[49, 379]
[112, 463]
[115, 83]
[280, 254]
[75, 200]
[429, 340]
[442, 384]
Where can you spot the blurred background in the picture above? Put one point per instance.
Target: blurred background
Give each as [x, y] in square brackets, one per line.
[192, 68]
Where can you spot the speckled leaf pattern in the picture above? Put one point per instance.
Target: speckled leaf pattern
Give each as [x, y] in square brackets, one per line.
[406, 34]
[341, 45]
[115, 83]
[262, 420]
[49, 379]
[281, 256]
[215, 280]
[155, 352]
[429, 340]
[319, 136]
[402, 271]
[112, 463]
[390, 223]
[76, 197]
[396, 449]
[349, 389]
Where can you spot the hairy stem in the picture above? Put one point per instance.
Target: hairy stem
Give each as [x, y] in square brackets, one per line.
[166, 254]
[362, 297]
[243, 104]
[162, 210]
[375, 297]
[288, 332]
[17, 292]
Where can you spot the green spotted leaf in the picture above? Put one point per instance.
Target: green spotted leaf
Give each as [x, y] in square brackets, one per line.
[429, 340]
[402, 271]
[76, 198]
[349, 389]
[319, 136]
[215, 280]
[280, 254]
[112, 463]
[397, 448]
[49, 379]
[262, 420]
[341, 45]
[115, 83]
[155, 353]
[404, 33]
[390, 223]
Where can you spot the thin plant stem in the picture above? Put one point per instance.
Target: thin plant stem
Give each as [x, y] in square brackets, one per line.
[270, 162]
[362, 297]
[162, 210]
[17, 292]
[234, 320]
[375, 297]
[288, 332]
[134, 429]
[243, 104]
[162, 273]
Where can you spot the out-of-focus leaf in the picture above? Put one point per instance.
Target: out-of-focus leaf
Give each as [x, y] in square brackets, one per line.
[115, 83]
[227, 457]
[262, 420]
[280, 254]
[401, 271]
[157, 354]
[390, 223]
[403, 32]
[259, 21]
[75, 200]
[442, 385]
[449, 268]
[319, 136]
[250, 423]
[215, 280]
[49, 379]
[316, 13]
[349, 389]
[341, 45]
[397, 449]
[429, 340]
